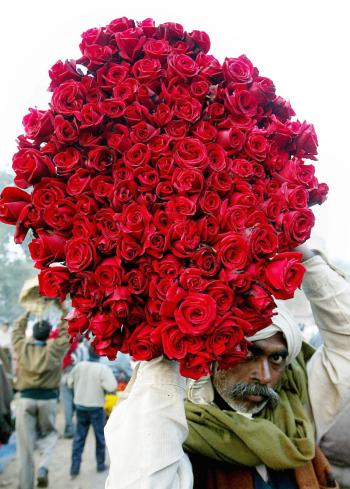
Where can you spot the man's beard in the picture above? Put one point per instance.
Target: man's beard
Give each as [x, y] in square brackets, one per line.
[236, 397]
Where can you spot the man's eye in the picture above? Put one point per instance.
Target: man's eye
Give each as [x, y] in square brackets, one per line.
[277, 359]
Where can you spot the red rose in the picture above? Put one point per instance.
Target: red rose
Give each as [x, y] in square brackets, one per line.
[135, 220]
[222, 294]
[210, 202]
[173, 341]
[102, 188]
[97, 55]
[209, 228]
[137, 281]
[191, 279]
[187, 181]
[296, 197]
[217, 157]
[101, 159]
[180, 207]
[157, 48]
[297, 225]
[196, 366]
[130, 42]
[227, 334]
[61, 72]
[233, 218]
[80, 254]
[221, 182]
[263, 89]
[119, 25]
[199, 88]
[38, 124]
[196, 314]
[68, 98]
[65, 131]
[108, 273]
[130, 248]
[104, 325]
[205, 131]
[263, 242]
[60, 215]
[78, 182]
[256, 145]
[319, 194]
[242, 167]
[83, 226]
[238, 70]
[138, 155]
[294, 171]
[78, 322]
[54, 282]
[241, 103]
[155, 244]
[169, 266]
[12, 202]
[188, 109]
[284, 274]
[48, 192]
[261, 301]
[141, 345]
[191, 153]
[306, 142]
[183, 238]
[67, 161]
[30, 167]
[232, 251]
[146, 70]
[182, 66]
[46, 249]
[206, 260]
[171, 31]
[201, 39]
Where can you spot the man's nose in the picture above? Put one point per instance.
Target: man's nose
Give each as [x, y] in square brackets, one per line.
[263, 372]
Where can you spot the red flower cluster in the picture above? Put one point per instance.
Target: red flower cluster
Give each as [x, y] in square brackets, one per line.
[168, 192]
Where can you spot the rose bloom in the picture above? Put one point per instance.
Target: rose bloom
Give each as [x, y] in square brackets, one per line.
[54, 282]
[196, 314]
[30, 167]
[232, 251]
[47, 248]
[12, 203]
[80, 254]
[284, 274]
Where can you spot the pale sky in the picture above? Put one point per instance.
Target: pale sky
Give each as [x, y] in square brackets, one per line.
[303, 46]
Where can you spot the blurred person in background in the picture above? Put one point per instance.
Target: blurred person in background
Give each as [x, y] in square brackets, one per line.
[77, 352]
[5, 347]
[6, 396]
[38, 378]
[90, 380]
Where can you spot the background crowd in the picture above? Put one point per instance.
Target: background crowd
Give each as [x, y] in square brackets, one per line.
[42, 373]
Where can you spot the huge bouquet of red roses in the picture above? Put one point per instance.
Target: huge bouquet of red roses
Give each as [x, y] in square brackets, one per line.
[168, 191]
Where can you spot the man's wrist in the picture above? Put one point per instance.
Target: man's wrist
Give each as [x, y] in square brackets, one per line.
[307, 253]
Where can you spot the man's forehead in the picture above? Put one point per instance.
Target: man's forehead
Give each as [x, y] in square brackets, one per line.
[276, 342]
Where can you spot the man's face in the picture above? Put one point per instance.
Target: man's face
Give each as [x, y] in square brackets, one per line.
[248, 386]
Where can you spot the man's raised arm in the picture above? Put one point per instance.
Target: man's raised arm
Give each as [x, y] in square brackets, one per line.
[329, 380]
[145, 432]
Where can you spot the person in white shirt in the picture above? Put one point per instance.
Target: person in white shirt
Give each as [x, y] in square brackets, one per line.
[90, 380]
[146, 432]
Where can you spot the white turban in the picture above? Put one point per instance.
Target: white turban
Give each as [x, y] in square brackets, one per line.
[284, 323]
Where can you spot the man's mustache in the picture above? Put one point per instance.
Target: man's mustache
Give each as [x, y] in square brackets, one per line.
[242, 391]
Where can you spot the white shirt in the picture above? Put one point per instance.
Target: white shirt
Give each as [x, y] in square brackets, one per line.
[145, 432]
[90, 381]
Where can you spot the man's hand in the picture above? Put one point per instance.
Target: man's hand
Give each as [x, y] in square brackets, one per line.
[306, 251]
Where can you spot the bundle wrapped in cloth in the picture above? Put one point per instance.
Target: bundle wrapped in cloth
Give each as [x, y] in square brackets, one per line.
[168, 191]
